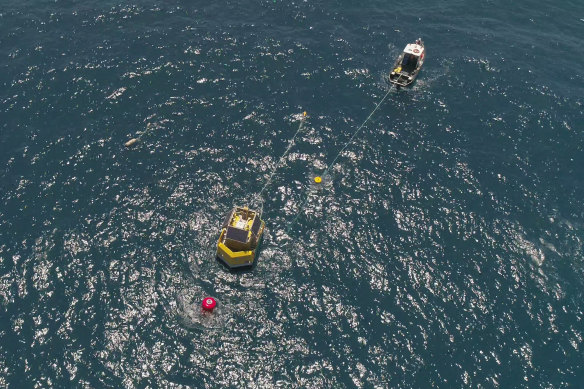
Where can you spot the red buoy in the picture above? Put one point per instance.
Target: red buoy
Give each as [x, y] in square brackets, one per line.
[209, 304]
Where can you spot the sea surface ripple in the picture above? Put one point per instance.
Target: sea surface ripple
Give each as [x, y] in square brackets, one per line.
[444, 248]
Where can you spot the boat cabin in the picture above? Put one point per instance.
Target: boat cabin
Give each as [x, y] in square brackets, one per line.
[412, 54]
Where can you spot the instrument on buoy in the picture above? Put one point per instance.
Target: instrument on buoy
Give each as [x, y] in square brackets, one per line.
[240, 237]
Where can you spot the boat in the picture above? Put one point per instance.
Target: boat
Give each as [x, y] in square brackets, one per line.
[240, 236]
[408, 64]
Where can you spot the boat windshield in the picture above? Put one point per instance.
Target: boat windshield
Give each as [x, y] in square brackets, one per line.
[409, 62]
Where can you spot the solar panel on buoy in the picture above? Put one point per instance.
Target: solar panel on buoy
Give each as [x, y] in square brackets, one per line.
[256, 226]
[227, 219]
[236, 234]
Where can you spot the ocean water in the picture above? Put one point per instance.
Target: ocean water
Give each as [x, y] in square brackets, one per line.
[443, 249]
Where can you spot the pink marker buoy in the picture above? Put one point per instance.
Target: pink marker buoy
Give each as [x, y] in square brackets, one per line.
[209, 304]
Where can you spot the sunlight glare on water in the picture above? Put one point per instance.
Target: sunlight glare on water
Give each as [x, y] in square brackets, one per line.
[443, 247]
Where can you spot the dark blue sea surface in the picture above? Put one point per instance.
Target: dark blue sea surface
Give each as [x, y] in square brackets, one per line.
[443, 249]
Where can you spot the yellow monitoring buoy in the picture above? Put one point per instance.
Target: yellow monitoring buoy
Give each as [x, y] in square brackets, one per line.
[317, 179]
[304, 113]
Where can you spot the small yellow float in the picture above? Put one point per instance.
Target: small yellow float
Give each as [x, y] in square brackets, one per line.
[239, 239]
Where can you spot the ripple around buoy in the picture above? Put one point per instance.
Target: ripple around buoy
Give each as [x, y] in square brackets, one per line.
[191, 314]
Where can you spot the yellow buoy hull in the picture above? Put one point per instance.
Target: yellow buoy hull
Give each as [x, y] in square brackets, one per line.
[235, 259]
[239, 252]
